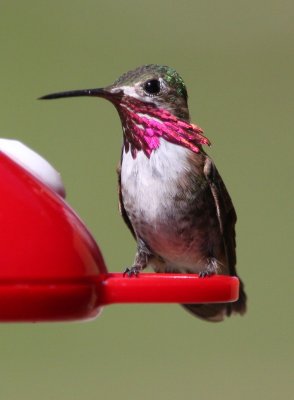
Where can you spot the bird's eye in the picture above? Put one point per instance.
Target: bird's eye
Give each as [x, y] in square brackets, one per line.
[152, 87]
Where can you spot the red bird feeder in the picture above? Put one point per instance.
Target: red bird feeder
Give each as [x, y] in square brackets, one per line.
[51, 268]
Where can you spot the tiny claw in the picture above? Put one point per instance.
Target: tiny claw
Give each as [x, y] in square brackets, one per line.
[210, 269]
[134, 271]
[206, 274]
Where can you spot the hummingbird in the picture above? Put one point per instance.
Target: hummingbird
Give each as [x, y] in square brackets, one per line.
[171, 195]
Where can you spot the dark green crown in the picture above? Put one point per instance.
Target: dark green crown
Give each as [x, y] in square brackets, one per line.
[149, 71]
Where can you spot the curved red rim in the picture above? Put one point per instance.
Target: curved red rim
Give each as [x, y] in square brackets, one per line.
[167, 288]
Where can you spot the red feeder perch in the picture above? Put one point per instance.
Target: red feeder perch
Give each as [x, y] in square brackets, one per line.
[51, 268]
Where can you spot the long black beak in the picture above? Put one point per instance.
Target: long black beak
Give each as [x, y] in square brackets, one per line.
[76, 93]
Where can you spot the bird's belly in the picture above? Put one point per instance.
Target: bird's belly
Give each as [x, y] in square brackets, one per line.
[160, 212]
[168, 231]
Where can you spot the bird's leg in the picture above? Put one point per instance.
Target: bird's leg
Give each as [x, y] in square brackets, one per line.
[210, 268]
[142, 257]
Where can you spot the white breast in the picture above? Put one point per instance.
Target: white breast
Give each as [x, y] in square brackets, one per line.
[150, 188]
[149, 184]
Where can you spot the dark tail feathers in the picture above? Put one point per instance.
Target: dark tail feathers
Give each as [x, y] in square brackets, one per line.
[217, 312]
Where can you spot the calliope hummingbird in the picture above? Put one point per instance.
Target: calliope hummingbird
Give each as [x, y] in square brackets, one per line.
[171, 195]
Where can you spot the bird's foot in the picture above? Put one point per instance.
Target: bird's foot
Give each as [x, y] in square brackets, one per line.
[210, 269]
[141, 260]
[133, 271]
[139, 264]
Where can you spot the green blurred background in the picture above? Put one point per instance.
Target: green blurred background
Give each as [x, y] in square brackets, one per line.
[237, 59]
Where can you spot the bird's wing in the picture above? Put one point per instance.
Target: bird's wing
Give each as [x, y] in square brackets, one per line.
[227, 219]
[121, 207]
[225, 212]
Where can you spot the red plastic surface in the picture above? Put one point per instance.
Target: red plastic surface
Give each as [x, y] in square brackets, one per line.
[41, 236]
[51, 268]
[48, 259]
[167, 288]
[54, 300]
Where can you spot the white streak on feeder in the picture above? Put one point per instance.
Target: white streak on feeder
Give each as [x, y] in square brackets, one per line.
[33, 163]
